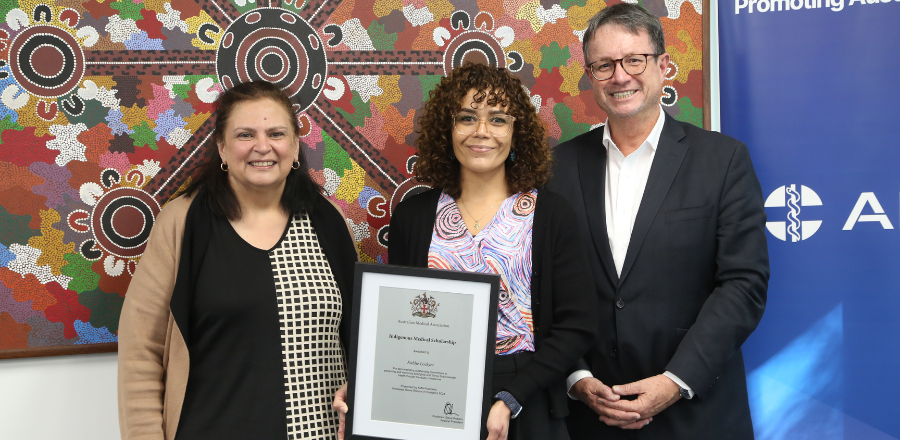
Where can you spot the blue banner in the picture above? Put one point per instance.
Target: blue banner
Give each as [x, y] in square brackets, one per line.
[810, 86]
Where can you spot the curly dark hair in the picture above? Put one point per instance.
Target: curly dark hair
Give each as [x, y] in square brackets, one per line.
[437, 165]
[300, 191]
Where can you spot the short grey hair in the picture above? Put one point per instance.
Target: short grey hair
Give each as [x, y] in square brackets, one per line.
[632, 17]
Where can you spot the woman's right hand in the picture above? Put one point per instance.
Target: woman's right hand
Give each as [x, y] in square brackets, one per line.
[340, 405]
[498, 421]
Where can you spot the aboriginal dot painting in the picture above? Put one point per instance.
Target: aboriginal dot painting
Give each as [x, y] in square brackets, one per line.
[105, 107]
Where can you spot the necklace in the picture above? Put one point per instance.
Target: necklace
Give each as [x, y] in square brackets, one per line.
[477, 225]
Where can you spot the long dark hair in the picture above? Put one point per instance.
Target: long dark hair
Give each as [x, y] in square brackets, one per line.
[300, 191]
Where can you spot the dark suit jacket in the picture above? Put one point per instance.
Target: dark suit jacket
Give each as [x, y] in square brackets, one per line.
[693, 285]
[561, 289]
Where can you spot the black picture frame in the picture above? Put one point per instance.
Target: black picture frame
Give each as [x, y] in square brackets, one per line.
[491, 280]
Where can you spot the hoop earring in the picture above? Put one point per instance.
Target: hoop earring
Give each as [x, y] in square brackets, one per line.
[296, 165]
[224, 166]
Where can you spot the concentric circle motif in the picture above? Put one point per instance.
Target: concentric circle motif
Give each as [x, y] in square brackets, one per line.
[46, 61]
[477, 46]
[669, 96]
[382, 235]
[375, 207]
[277, 46]
[524, 205]
[122, 219]
[411, 163]
[448, 223]
[408, 188]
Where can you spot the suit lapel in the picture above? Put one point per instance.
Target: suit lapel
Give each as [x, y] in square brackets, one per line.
[669, 155]
[592, 174]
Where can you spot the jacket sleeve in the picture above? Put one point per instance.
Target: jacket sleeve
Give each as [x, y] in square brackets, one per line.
[734, 308]
[143, 333]
[574, 330]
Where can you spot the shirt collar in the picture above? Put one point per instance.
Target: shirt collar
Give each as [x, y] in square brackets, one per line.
[652, 139]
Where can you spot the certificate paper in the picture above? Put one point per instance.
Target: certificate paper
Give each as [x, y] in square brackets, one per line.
[421, 363]
[423, 345]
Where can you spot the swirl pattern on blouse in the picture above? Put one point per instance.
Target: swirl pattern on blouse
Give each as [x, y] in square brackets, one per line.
[449, 223]
[502, 247]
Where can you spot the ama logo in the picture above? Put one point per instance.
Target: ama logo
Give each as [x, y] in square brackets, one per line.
[788, 196]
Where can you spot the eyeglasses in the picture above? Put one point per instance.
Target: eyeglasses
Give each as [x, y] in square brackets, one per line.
[603, 70]
[496, 125]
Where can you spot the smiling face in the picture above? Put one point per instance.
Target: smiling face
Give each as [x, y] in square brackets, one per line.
[259, 146]
[627, 96]
[480, 152]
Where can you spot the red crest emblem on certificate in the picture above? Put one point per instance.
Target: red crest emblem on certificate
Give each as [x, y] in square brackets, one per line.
[424, 306]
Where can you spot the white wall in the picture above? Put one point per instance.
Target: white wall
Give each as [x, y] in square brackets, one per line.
[61, 397]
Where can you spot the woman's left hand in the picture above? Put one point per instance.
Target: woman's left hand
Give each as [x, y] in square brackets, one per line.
[498, 421]
[340, 405]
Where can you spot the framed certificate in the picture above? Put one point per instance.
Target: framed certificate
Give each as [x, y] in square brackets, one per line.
[421, 353]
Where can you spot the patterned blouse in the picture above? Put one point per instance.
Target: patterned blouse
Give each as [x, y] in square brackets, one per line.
[502, 247]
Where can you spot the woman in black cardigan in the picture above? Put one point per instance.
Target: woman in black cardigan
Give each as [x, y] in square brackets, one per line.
[206, 346]
[482, 148]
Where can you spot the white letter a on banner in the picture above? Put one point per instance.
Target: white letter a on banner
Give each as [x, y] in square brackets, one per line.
[879, 216]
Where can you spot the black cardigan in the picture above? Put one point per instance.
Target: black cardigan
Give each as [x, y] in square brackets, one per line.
[335, 240]
[563, 293]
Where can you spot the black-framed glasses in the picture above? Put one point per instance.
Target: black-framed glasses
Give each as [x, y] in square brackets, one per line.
[635, 64]
[496, 125]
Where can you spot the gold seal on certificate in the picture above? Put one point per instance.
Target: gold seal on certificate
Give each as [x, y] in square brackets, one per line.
[423, 344]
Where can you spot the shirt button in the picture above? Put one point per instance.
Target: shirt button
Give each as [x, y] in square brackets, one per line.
[614, 353]
[620, 303]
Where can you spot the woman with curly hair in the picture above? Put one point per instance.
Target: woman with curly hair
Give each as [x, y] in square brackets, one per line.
[482, 148]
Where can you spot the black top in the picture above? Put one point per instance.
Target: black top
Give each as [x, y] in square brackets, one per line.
[236, 385]
[252, 373]
[563, 294]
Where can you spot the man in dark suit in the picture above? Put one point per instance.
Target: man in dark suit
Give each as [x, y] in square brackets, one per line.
[675, 216]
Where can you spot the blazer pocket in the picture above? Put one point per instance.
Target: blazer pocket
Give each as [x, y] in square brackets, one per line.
[677, 215]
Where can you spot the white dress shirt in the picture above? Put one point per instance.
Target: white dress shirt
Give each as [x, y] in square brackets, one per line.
[626, 178]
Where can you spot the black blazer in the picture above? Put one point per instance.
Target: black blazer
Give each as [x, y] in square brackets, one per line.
[693, 284]
[561, 288]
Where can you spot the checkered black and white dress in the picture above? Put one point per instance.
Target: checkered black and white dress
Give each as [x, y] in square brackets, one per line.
[266, 357]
